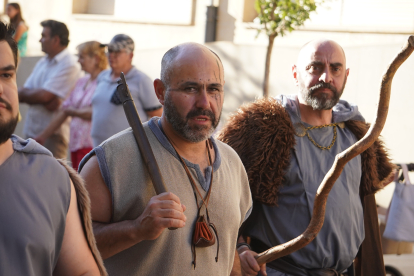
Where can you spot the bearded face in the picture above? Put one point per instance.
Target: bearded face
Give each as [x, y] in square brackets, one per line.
[7, 127]
[316, 98]
[191, 132]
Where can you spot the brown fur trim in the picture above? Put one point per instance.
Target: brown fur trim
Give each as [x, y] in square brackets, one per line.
[376, 165]
[84, 206]
[262, 134]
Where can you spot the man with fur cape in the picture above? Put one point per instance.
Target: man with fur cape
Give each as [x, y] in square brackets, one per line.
[287, 145]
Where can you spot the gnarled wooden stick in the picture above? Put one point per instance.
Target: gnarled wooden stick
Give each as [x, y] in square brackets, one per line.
[341, 159]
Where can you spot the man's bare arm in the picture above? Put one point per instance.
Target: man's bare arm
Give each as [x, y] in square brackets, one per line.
[84, 113]
[75, 257]
[249, 265]
[162, 211]
[37, 96]
[236, 269]
[57, 121]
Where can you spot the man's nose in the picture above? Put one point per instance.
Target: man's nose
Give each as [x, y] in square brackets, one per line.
[202, 99]
[326, 76]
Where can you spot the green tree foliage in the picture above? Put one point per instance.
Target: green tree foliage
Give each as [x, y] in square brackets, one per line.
[277, 17]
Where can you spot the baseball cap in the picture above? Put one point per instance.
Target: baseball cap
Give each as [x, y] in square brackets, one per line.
[120, 42]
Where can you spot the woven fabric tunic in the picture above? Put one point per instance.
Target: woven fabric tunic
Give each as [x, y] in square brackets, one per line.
[129, 183]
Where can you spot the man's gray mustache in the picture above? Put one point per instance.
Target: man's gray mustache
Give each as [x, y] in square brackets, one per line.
[195, 113]
[323, 85]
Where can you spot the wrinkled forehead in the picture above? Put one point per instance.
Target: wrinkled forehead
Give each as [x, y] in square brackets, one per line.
[323, 51]
[197, 61]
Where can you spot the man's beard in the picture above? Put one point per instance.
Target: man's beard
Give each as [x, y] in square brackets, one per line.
[7, 129]
[195, 133]
[322, 101]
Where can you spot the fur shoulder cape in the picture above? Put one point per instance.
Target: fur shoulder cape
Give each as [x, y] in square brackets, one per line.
[84, 206]
[262, 134]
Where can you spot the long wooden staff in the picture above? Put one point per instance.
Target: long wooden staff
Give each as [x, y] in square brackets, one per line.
[140, 136]
[341, 159]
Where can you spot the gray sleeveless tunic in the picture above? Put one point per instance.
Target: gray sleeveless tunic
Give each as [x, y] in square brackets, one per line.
[170, 254]
[34, 200]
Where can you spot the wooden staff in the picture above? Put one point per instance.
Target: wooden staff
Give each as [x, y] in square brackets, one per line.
[140, 136]
[341, 159]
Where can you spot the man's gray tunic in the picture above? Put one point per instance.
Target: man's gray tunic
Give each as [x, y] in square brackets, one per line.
[131, 189]
[34, 201]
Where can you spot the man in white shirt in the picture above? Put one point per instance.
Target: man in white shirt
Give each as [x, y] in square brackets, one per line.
[51, 81]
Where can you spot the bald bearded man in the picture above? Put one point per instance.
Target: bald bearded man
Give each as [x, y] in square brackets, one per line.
[287, 145]
[130, 221]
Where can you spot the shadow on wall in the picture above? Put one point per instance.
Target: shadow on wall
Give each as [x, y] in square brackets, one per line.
[242, 85]
[244, 70]
[226, 24]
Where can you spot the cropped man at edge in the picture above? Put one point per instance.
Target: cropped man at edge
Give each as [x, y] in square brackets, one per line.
[130, 221]
[108, 113]
[288, 145]
[50, 82]
[43, 231]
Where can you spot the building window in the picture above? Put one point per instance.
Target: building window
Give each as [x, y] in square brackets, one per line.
[249, 12]
[154, 11]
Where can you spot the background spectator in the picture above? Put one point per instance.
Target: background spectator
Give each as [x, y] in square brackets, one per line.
[16, 20]
[93, 60]
[108, 113]
[51, 81]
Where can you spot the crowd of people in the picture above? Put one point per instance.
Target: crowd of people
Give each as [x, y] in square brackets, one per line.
[61, 102]
[229, 198]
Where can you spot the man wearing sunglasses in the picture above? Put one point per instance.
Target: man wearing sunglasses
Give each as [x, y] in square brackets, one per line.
[108, 113]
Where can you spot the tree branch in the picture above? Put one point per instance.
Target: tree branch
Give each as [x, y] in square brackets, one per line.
[262, 13]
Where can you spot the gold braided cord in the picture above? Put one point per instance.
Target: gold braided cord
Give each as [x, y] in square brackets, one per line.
[322, 126]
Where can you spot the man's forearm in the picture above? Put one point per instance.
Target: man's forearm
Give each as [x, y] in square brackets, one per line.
[35, 96]
[236, 270]
[113, 238]
[54, 125]
[83, 113]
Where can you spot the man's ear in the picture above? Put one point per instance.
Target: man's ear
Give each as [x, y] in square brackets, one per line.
[347, 72]
[295, 74]
[159, 88]
[56, 41]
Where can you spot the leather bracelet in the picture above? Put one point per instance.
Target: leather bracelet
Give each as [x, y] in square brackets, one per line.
[243, 244]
